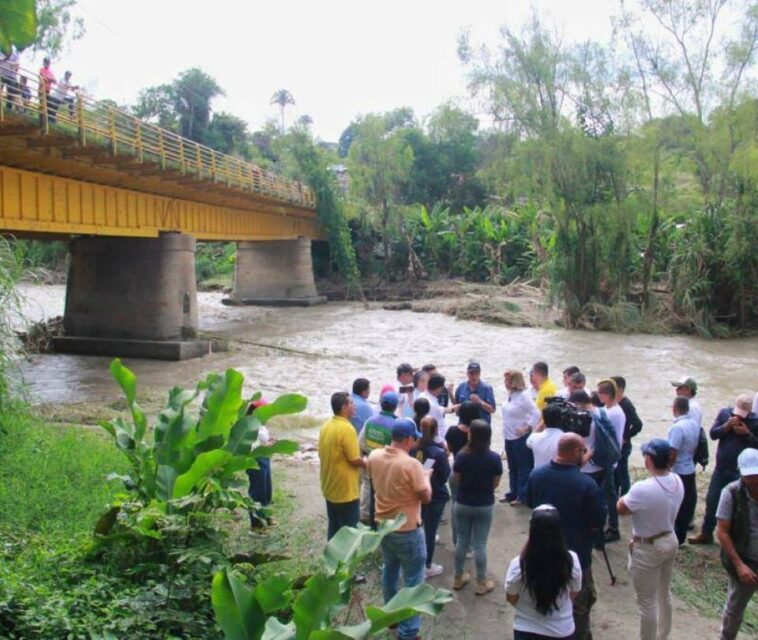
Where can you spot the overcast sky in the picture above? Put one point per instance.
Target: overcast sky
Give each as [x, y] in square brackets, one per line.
[338, 58]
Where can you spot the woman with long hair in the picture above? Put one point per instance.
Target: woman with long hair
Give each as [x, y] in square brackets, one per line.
[543, 581]
[477, 471]
[520, 415]
[428, 448]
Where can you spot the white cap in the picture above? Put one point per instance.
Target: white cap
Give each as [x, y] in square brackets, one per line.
[747, 461]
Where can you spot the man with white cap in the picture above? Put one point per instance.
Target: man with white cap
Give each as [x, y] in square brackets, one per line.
[736, 429]
[653, 504]
[738, 536]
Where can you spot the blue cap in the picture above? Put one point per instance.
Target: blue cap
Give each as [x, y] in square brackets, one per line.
[657, 447]
[390, 399]
[404, 428]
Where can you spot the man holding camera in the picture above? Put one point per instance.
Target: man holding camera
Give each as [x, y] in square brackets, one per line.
[544, 443]
[736, 429]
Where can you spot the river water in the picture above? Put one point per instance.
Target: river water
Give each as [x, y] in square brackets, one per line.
[347, 341]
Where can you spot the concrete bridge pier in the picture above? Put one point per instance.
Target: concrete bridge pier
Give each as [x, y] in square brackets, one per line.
[132, 297]
[275, 273]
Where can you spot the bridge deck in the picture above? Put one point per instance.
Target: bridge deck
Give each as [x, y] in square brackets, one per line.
[87, 167]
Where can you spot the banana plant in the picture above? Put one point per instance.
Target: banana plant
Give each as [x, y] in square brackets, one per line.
[190, 459]
[246, 612]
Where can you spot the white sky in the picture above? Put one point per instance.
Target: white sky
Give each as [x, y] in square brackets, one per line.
[338, 58]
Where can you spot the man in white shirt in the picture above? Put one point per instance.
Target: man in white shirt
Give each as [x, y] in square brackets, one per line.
[683, 436]
[567, 373]
[687, 388]
[607, 391]
[544, 444]
[405, 390]
[434, 388]
[653, 504]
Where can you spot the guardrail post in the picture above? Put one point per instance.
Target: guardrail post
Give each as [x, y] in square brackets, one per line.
[138, 141]
[80, 119]
[162, 148]
[112, 128]
[213, 165]
[199, 160]
[181, 153]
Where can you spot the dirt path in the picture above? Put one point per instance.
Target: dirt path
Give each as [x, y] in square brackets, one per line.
[614, 617]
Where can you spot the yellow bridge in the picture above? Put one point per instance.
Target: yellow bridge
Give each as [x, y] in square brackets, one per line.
[77, 166]
[135, 198]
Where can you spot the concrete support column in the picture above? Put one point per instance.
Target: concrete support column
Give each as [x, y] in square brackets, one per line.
[132, 297]
[275, 272]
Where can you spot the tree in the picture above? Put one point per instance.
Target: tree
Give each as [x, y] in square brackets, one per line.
[228, 134]
[57, 26]
[379, 163]
[18, 24]
[282, 97]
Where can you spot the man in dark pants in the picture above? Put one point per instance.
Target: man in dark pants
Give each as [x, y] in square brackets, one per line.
[341, 461]
[582, 507]
[632, 428]
[736, 429]
[683, 437]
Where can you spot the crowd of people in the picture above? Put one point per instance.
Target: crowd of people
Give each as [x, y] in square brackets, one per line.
[18, 96]
[426, 446]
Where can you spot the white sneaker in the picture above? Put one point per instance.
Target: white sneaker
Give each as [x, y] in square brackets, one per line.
[434, 570]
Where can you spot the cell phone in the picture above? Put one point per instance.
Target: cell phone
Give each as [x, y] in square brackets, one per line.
[429, 463]
[406, 389]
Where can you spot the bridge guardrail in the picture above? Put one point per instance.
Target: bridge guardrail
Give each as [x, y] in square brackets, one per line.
[99, 123]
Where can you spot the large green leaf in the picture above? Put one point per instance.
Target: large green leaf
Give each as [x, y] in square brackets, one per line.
[282, 447]
[202, 467]
[275, 630]
[237, 611]
[355, 632]
[221, 406]
[423, 598]
[164, 481]
[243, 435]
[313, 606]
[18, 24]
[350, 546]
[273, 594]
[283, 405]
[128, 382]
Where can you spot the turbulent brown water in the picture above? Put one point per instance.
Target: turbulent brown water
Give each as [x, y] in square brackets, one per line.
[346, 341]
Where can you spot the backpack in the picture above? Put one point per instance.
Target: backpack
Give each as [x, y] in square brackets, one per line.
[739, 530]
[607, 451]
[701, 453]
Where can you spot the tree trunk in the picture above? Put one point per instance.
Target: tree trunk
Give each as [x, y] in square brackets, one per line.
[652, 234]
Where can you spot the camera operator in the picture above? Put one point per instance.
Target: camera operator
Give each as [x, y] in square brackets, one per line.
[544, 444]
[583, 401]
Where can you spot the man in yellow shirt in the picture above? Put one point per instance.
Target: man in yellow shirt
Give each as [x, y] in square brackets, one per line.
[341, 462]
[543, 385]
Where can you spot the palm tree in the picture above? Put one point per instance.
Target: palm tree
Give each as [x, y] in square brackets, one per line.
[282, 98]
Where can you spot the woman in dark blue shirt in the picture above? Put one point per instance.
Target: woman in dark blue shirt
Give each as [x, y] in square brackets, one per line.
[428, 449]
[476, 471]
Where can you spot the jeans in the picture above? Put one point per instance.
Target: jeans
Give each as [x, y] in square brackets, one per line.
[260, 489]
[687, 509]
[431, 514]
[719, 480]
[453, 501]
[598, 477]
[650, 565]
[473, 525]
[582, 605]
[341, 514]
[406, 551]
[737, 599]
[520, 465]
[365, 497]
[611, 498]
[621, 474]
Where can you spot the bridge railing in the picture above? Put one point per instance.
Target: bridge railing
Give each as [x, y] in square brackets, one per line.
[103, 124]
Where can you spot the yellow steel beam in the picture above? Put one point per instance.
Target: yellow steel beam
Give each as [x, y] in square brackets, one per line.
[41, 203]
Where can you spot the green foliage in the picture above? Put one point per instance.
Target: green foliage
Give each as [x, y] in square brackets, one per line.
[10, 273]
[214, 260]
[246, 612]
[18, 24]
[57, 25]
[38, 254]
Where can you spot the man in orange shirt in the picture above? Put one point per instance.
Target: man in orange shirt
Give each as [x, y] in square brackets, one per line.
[401, 485]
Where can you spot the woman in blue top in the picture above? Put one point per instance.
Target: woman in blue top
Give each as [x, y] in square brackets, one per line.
[476, 471]
[429, 449]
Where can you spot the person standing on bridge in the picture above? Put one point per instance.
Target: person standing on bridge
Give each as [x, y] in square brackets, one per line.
[47, 80]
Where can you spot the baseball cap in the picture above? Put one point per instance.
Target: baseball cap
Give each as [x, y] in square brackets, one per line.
[657, 447]
[747, 462]
[474, 367]
[404, 428]
[390, 399]
[686, 382]
[742, 405]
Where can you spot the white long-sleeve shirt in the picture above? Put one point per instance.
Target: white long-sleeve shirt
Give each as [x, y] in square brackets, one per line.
[518, 411]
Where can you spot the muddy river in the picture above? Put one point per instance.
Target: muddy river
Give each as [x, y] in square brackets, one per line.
[344, 341]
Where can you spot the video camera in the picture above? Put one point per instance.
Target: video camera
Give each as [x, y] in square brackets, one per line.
[573, 419]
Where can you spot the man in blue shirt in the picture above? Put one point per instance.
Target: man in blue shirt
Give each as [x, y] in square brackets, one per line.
[363, 410]
[683, 436]
[477, 391]
[582, 508]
